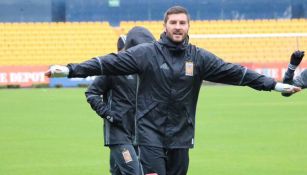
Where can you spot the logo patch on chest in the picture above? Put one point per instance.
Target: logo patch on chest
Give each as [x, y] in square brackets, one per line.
[189, 68]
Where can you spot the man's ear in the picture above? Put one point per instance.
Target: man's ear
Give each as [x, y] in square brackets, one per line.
[164, 27]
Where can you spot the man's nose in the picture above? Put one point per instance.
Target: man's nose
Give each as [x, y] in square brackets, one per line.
[177, 26]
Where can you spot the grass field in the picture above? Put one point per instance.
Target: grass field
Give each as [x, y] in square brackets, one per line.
[238, 132]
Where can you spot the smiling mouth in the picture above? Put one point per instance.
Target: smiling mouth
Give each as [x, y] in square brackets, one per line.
[177, 34]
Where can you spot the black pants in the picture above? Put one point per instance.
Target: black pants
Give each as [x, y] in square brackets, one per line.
[163, 161]
[124, 160]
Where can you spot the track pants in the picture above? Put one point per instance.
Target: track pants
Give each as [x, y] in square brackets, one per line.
[124, 160]
[163, 161]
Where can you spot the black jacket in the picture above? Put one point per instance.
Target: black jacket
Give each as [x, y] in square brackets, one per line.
[170, 78]
[119, 97]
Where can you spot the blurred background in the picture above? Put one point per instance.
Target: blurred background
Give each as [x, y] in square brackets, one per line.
[34, 34]
[115, 11]
[53, 131]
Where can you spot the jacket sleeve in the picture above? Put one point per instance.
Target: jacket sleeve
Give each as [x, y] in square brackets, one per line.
[288, 78]
[96, 95]
[124, 63]
[216, 70]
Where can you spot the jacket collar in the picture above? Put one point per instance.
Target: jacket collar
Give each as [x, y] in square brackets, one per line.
[164, 40]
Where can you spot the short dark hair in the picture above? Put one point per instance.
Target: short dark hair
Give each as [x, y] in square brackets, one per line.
[176, 10]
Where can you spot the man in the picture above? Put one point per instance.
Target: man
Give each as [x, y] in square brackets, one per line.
[118, 109]
[301, 79]
[95, 93]
[170, 78]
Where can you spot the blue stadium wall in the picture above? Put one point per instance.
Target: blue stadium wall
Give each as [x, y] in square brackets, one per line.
[119, 10]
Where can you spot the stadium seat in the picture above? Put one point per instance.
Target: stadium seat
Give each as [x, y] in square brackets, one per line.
[54, 43]
[46, 43]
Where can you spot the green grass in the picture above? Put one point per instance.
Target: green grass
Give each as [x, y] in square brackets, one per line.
[239, 131]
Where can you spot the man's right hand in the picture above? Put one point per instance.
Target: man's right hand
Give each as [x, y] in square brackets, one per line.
[57, 71]
[112, 118]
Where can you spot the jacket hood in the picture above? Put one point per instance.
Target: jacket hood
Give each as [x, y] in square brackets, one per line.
[138, 35]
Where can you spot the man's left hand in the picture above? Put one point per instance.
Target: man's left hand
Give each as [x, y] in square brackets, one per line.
[286, 88]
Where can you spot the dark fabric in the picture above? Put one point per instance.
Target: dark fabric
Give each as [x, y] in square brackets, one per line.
[121, 42]
[98, 89]
[296, 57]
[301, 80]
[118, 101]
[138, 35]
[126, 160]
[119, 97]
[115, 96]
[295, 60]
[168, 94]
[177, 161]
[164, 161]
[173, 46]
[114, 169]
[288, 79]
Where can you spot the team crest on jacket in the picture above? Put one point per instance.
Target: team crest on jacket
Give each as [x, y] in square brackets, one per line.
[189, 68]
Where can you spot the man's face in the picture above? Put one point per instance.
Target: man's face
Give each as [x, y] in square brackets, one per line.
[177, 27]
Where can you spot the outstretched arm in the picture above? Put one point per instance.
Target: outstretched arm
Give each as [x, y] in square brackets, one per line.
[216, 70]
[123, 63]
